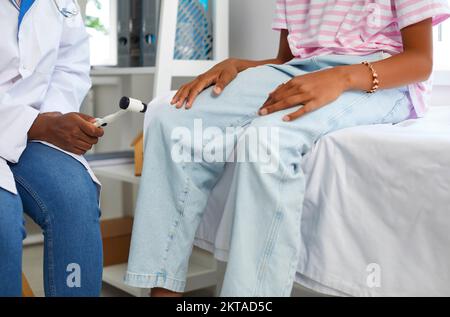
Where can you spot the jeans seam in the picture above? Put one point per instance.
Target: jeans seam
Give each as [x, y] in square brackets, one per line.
[268, 250]
[274, 228]
[180, 207]
[182, 197]
[152, 281]
[293, 268]
[48, 233]
[140, 275]
[243, 121]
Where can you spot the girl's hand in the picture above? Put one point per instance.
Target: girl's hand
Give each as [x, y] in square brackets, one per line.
[313, 90]
[220, 76]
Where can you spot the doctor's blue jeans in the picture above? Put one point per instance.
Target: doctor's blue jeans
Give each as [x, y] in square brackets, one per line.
[58, 193]
[267, 206]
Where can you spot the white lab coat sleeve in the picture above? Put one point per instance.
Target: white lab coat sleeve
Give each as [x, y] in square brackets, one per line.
[70, 80]
[15, 121]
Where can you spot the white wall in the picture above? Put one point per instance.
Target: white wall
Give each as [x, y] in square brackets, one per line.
[440, 96]
[251, 35]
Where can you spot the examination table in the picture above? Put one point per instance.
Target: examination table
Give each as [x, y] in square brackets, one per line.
[376, 218]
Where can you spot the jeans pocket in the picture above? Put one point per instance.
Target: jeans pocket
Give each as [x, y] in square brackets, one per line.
[401, 111]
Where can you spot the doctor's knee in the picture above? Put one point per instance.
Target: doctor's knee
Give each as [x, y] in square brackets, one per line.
[12, 230]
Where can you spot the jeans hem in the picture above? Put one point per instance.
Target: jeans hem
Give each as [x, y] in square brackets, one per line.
[154, 281]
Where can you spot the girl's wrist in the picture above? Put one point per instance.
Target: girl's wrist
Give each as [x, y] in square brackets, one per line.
[240, 64]
[356, 77]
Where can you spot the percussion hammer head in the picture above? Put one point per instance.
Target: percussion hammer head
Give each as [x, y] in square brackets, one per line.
[132, 105]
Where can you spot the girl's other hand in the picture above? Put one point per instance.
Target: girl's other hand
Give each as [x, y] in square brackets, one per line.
[223, 73]
[219, 76]
[313, 90]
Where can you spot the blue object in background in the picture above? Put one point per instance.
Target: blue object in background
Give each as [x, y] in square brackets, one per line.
[194, 40]
[204, 3]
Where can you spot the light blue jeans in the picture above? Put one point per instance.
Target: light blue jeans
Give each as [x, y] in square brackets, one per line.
[267, 208]
[57, 192]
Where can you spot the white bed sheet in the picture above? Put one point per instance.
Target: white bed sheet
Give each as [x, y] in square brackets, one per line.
[375, 194]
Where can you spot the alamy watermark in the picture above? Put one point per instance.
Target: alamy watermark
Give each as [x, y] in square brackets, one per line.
[373, 279]
[74, 277]
[234, 144]
[374, 18]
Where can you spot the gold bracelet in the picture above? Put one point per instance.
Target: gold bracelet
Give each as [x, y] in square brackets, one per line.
[375, 80]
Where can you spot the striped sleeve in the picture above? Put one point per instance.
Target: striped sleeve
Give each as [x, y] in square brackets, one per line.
[413, 11]
[279, 21]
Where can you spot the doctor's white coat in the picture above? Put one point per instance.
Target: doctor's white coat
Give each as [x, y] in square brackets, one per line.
[44, 67]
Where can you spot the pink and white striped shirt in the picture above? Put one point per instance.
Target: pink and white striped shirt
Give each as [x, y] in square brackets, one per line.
[356, 27]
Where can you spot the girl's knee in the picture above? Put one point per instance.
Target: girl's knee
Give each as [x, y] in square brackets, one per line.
[166, 117]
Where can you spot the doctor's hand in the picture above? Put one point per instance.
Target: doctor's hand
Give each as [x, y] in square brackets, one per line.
[72, 132]
[219, 76]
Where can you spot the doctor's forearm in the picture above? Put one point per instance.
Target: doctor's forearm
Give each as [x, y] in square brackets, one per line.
[39, 129]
